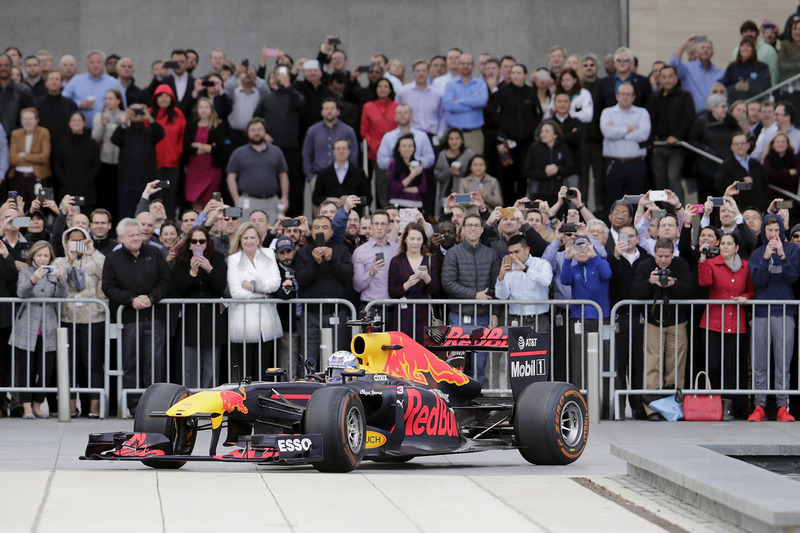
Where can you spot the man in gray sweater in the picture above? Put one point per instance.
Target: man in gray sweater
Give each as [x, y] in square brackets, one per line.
[470, 272]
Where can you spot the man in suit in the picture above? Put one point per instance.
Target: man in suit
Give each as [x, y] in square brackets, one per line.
[740, 166]
[341, 179]
[607, 86]
[180, 81]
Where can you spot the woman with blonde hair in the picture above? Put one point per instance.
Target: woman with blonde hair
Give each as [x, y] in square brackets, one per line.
[253, 274]
[202, 146]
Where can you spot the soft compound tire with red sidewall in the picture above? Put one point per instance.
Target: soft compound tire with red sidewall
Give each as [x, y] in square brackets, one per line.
[337, 414]
[181, 432]
[551, 423]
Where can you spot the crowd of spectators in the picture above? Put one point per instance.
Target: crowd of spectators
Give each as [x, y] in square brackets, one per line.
[495, 183]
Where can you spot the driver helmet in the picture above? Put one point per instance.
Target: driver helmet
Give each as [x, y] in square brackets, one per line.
[338, 361]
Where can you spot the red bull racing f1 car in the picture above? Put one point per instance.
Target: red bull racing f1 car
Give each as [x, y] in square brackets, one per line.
[393, 401]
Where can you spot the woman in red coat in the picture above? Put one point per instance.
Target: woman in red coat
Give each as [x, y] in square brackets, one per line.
[728, 277]
[377, 118]
[170, 148]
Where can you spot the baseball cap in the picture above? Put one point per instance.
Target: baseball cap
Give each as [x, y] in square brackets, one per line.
[311, 64]
[284, 243]
[580, 240]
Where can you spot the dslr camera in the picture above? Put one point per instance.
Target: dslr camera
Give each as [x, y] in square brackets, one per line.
[663, 276]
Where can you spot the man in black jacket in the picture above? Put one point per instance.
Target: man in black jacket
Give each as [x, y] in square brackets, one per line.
[324, 269]
[137, 277]
[55, 110]
[13, 97]
[8, 289]
[671, 115]
[341, 179]
[664, 277]
[607, 86]
[739, 166]
[624, 258]
[289, 344]
[137, 155]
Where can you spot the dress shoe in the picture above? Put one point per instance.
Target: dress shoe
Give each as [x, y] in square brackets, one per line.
[655, 417]
[784, 416]
[758, 414]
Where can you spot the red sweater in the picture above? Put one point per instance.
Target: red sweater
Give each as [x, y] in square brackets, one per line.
[377, 118]
[725, 285]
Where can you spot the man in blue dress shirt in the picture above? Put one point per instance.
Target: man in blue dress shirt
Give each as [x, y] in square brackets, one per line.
[464, 99]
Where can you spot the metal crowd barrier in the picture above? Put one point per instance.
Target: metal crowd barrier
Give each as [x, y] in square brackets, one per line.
[157, 346]
[31, 372]
[701, 353]
[563, 339]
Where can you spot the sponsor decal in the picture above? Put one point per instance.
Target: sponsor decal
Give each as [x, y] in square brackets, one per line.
[400, 390]
[375, 440]
[442, 395]
[426, 417]
[477, 336]
[248, 454]
[232, 401]
[364, 392]
[536, 367]
[527, 357]
[293, 444]
[380, 377]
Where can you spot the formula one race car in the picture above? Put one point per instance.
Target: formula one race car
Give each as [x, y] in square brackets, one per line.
[390, 400]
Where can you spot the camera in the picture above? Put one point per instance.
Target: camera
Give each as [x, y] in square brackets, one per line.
[663, 276]
[232, 212]
[245, 63]
[532, 205]
[207, 83]
[290, 223]
[568, 228]
[712, 252]
[572, 193]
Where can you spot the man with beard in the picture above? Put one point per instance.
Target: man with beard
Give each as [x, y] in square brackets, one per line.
[68, 67]
[257, 173]
[289, 343]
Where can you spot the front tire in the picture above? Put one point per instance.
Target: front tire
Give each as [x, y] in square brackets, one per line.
[551, 423]
[180, 431]
[338, 415]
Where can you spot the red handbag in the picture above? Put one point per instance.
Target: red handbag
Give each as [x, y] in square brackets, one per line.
[702, 407]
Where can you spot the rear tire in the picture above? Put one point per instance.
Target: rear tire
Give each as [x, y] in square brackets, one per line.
[180, 431]
[551, 423]
[338, 415]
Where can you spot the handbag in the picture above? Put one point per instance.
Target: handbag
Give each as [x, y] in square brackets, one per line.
[669, 407]
[702, 407]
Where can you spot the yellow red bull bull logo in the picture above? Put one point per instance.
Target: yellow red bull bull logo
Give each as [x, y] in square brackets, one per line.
[414, 361]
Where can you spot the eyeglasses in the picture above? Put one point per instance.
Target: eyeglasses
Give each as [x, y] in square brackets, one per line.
[197, 241]
[622, 60]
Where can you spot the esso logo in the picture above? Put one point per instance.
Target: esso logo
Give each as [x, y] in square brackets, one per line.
[294, 445]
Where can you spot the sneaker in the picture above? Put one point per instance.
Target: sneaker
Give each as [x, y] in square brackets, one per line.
[784, 416]
[759, 415]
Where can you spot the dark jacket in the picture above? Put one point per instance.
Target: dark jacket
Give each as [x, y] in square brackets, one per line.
[671, 114]
[329, 279]
[14, 97]
[283, 294]
[312, 99]
[467, 270]
[607, 95]
[125, 277]
[713, 135]
[756, 75]
[776, 169]
[491, 238]
[622, 272]
[136, 95]
[518, 112]
[773, 277]
[216, 138]
[54, 113]
[204, 285]
[355, 182]
[137, 154]
[8, 288]
[281, 110]
[538, 157]
[683, 288]
[105, 246]
[730, 170]
[77, 163]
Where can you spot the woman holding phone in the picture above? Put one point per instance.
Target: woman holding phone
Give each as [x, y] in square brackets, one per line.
[200, 272]
[451, 165]
[414, 273]
[407, 182]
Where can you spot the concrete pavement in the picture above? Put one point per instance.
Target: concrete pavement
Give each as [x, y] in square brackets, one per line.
[44, 487]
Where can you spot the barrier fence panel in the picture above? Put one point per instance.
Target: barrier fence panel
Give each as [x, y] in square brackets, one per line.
[202, 343]
[31, 347]
[660, 346]
[566, 320]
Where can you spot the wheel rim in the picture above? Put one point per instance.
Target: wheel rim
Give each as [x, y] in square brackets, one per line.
[571, 423]
[355, 429]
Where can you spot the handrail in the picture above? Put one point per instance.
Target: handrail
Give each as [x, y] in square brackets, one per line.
[785, 193]
[691, 148]
[772, 89]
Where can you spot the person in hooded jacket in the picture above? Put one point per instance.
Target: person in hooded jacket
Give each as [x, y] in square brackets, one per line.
[774, 267]
[77, 162]
[170, 148]
[84, 322]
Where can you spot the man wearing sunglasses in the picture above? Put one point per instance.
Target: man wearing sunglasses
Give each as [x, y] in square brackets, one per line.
[607, 87]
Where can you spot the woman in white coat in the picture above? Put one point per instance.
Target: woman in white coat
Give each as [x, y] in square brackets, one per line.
[252, 274]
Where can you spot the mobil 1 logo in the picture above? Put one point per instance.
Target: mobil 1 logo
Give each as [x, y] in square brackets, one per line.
[528, 356]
